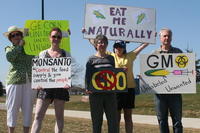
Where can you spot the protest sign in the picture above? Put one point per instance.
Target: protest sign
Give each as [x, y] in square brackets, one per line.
[107, 79]
[37, 38]
[167, 73]
[51, 72]
[120, 23]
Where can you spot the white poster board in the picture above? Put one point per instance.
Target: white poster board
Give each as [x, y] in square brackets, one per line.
[51, 72]
[167, 73]
[120, 23]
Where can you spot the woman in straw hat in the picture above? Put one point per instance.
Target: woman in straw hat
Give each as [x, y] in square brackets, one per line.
[18, 87]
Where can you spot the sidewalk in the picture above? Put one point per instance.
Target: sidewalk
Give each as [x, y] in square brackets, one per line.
[141, 119]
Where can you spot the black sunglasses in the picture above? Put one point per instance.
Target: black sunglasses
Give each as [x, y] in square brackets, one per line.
[58, 37]
[15, 35]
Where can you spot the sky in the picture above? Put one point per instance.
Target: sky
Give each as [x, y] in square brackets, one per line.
[182, 16]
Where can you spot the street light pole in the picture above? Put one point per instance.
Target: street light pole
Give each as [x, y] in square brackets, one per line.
[42, 9]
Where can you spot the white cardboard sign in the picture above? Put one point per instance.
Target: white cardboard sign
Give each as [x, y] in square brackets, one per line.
[51, 72]
[167, 73]
[120, 23]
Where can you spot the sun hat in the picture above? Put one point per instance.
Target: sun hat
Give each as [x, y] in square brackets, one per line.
[12, 29]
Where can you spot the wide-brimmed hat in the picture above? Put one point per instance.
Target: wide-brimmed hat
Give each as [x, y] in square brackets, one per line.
[12, 29]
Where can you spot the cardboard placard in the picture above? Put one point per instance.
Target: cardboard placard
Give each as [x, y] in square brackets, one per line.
[37, 38]
[167, 73]
[120, 23]
[107, 79]
[51, 72]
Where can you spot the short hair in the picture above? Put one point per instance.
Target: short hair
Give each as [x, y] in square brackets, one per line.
[166, 29]
[102, 38]
[55, 29]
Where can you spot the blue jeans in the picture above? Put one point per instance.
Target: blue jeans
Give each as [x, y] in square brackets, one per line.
[169, 103]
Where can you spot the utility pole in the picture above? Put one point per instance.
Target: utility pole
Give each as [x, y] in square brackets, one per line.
[42, 9]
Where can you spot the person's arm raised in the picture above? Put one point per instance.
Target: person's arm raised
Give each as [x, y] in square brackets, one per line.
[90, 40]
[140, 48]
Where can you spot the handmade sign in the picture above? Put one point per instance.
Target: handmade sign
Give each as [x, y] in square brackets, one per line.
[37, 38]
[167, 73]
[108, 80]
[120, 23]
[51, 72]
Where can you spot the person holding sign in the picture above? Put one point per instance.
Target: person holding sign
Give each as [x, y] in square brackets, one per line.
[56, 95]
[124, 59]
[126, 100]
[168, 102]
[101, 102]
[18, 87]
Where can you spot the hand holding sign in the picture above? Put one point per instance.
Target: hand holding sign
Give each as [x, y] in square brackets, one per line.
[38, 88]
[67, 86]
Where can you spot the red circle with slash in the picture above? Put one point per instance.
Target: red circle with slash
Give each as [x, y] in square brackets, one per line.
[102, 75]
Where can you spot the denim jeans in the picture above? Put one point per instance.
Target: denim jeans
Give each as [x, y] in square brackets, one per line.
[169, 103]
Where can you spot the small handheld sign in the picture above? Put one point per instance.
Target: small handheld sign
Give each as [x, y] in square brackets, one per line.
[51, 72]
[108, 79]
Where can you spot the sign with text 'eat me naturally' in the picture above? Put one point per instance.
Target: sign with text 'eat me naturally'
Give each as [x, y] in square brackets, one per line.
[120, 23]
[37, 38]
[167, 73]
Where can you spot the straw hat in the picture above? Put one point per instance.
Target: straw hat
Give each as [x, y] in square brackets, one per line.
[12, 29]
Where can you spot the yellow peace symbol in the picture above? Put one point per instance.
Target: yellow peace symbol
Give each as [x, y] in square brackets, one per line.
[181, 61]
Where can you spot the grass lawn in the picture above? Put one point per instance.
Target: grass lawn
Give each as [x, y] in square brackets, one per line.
[75, 125]
[191, 105]
[144, 104]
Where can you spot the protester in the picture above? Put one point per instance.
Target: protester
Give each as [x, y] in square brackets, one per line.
[126, 100]
[101, 102]
[56, 95]
[168, 102]
[124, 59]
[18, 83]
